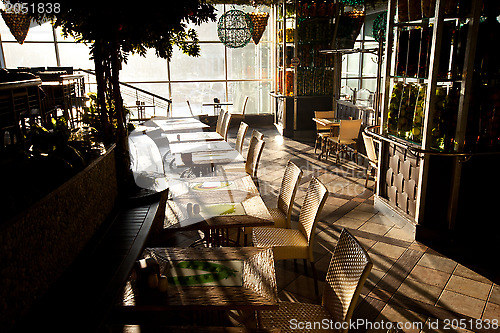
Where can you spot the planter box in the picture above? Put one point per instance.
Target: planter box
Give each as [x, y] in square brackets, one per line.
[38, 245]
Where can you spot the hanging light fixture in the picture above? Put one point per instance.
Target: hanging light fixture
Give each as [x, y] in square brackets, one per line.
[259, 20]
[18, 24]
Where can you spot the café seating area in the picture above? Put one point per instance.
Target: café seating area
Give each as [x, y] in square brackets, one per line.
[408, 282]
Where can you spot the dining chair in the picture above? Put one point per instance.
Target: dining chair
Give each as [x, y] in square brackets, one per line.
[296, 243]
[282, 213]
[348, 134]
[257, 134]
[349, 267]
[225, 125]
[371, 154]
[322, 132]
[240, 137]
[253, 157]
[190, 109]
[220, 119]
[244, 106]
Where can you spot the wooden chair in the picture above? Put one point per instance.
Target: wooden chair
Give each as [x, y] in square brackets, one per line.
[282, 214]
[296, 243]
[347, 273]
[322, 132]
[371, 154]
[348, 134]
[225, 125]
[240, 137]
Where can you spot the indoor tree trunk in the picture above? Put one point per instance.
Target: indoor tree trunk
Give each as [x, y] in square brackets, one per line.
[124, 174]
[99, 60]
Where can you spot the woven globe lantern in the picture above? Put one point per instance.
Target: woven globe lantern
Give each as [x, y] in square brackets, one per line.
[235, 28]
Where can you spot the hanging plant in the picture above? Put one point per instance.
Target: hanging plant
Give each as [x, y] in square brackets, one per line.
[235, 28]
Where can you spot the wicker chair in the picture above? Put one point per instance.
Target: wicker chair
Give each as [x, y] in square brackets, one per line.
[240, 137]
[348, 134]
[257, 134]
[225, 125]
[296, 243]
[220, 119]
[253, 156]
[282, 214]
[347, 273]
[322, 132]
[371, 154]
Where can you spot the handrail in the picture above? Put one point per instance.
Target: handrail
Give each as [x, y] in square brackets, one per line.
[131, 86]
[416, 150]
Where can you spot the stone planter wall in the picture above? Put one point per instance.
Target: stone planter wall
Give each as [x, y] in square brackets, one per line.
[37, 246]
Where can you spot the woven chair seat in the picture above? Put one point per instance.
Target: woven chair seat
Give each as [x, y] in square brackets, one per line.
[286, 243]
[290, 313]
[279, 217]
[336, 140]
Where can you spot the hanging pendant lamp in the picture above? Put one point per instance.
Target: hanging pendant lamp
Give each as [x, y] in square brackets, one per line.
[259, 20]
[18, 24]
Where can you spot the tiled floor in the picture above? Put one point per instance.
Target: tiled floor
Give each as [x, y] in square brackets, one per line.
[409, 283]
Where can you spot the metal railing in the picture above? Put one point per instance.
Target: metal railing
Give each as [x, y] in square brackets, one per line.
[416, 151]
[145, 104]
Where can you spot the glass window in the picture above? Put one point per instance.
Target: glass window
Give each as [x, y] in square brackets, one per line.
[76, 55]
[148, 68]
[196, 93]
[250, 62]
[258, 96]
[218, 72]
[29, 55]
[208, 66]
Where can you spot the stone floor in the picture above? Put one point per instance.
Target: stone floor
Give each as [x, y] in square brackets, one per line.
[410, 283]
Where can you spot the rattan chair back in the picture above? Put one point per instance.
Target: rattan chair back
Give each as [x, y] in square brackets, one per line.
[220, 119]
[370, 148]
[323, 114]
[225, 125]
[311, 208]
[253, 156]
[347, 273]
[288, 190]
[257, 134]
[349, 129]
[240, 137]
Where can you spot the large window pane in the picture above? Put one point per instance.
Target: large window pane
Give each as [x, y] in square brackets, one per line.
[249, 62]
[259, 101]
[76, 55]
[209, 66]
[196, 93]
[29, 55]
[149, 68]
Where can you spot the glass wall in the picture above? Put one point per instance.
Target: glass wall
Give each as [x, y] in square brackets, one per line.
[219, 72]
[359, 70]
